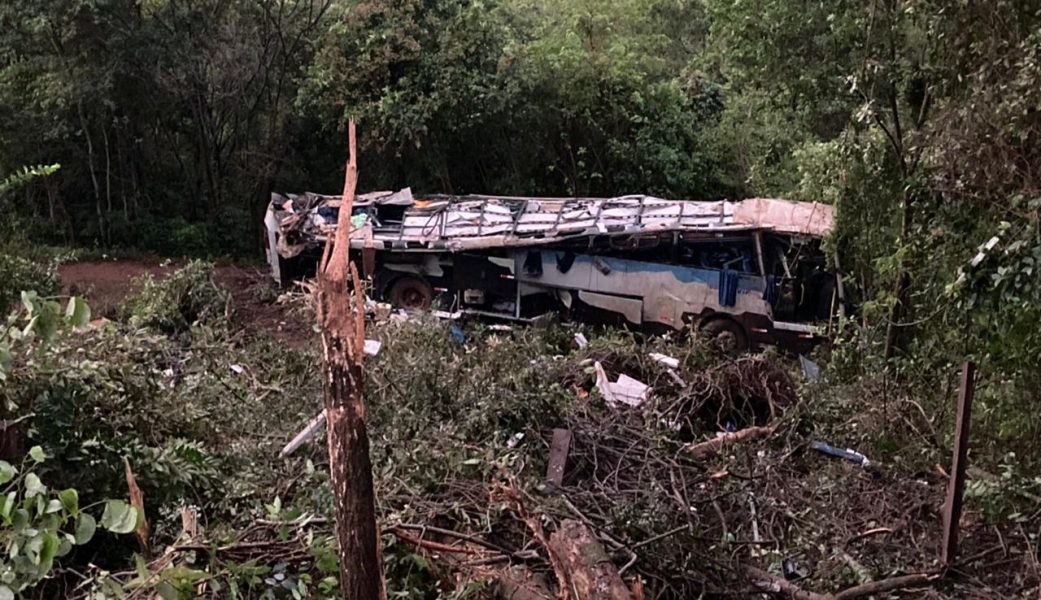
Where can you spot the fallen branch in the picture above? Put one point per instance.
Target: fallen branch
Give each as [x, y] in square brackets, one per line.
[710, 448]
[887, 585]
[868, 589]
[783, 585]
[432, 545]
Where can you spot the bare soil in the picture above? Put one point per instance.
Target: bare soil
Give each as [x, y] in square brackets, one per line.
[106, 284]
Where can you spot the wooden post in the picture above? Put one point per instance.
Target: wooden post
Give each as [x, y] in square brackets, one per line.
[956, 485]
[558, 452]
[341, 319]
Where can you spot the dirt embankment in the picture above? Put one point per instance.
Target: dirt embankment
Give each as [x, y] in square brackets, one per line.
[105, 284]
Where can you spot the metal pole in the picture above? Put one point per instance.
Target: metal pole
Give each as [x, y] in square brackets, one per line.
[956, 485]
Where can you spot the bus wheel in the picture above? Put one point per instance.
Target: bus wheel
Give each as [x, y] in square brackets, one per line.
[411, 293]
[726, 335]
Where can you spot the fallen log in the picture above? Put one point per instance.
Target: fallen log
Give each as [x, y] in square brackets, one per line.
[710, 448]
[589, 571]
[520, 583]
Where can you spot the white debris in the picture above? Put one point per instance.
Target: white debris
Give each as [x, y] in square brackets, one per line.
[624, 392]
[976, 260]
[665, 359]
[305, 434]
[238, 369]
[372, 347]
[581, 340]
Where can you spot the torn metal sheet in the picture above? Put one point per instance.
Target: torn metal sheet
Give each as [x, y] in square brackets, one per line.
[398, 220]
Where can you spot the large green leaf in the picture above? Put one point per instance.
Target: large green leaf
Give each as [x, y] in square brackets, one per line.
[85, 528]
[48, 550]
[119, 517]
[70, 500]
[77, 312]
[7, 471]
[33, 486]
[7, 505]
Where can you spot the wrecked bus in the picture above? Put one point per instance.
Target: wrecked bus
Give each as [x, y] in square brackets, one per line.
[746, 273]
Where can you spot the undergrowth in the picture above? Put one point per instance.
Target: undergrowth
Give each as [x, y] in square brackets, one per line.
[186, 298]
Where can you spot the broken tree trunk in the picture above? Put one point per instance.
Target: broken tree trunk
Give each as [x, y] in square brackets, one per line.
[341, 320]
[710, 448]
[590, 573]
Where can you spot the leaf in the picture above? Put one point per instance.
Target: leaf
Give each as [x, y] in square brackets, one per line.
[6, 593]
[48, 551]
[33, 486]
[70, 500]
[29, 301]
[85, 528]
[5, 361]
[167, 591]
[77, 312]
[119, 517]
[7, 505]
[7, 471]
[36, 453]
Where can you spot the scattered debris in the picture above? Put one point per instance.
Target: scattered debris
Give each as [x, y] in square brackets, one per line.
[305, 434]
[580, 340]
[810, 369]
[668, 361]
[850, 455]
[372, 347]
[626, 391]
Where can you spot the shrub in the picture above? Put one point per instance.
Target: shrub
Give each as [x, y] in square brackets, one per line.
[18, 274]
[173, 305]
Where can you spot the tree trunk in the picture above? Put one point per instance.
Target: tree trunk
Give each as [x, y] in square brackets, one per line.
[341, 319]
[591, 574]
[901, 289]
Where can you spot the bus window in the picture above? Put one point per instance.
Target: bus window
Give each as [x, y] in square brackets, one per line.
[735, 254]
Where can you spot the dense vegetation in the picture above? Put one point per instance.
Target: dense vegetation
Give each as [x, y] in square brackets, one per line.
[163, 125]
[920, 120]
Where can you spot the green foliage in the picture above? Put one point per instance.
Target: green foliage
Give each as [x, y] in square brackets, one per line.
[1005, 497]
[19, 274]
[186, 298]
[26, 175]
[39, 525]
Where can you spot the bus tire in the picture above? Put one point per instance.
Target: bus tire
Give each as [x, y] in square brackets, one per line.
[411, 293]
[726, 335]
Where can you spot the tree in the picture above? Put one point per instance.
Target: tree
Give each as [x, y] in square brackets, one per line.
[341, 318]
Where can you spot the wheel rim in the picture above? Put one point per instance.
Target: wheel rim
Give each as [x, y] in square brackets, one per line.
[413, 298]
[727, 341]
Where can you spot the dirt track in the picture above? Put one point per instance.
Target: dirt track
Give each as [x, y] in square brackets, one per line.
[105, 284]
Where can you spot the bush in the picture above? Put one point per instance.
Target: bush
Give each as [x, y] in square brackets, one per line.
[18, 274]
[173, 305]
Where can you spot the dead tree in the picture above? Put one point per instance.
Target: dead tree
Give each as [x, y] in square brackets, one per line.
[341, 319]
